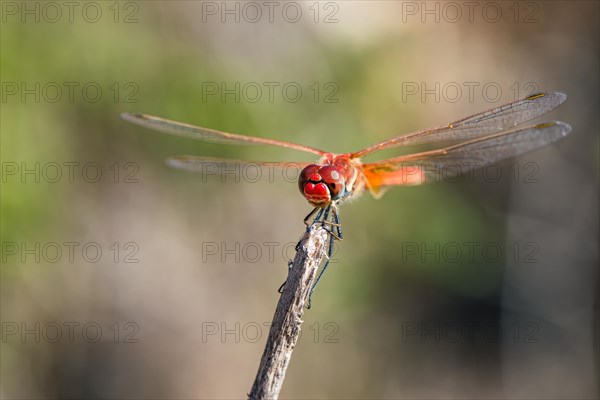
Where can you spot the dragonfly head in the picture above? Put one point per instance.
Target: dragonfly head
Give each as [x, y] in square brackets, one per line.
[321, 184]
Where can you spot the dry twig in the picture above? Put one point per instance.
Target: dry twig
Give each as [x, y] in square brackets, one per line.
[285, 328]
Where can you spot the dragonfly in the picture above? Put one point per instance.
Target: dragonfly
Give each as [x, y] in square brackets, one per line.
[469, 143]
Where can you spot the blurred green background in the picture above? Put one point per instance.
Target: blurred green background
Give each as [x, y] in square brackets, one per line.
[161, 314]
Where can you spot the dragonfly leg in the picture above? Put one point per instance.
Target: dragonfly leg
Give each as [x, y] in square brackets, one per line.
[331, 223]
[336, 217]
[310, 215]
[319, 214]
[331, 232]
[338, 226]
[326, 216]
[318, 217]
[297, 248]
[334, 224]
[280, 290]
[326, 221]
[329, 255]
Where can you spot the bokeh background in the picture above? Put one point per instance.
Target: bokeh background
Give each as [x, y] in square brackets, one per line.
[178, 303]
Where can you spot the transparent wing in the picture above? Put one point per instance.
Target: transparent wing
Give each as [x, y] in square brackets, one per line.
[437, 165]
[488, 122]
[252, 171]
[208, 135]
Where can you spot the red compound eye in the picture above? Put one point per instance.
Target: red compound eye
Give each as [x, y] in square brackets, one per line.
[334, 180]
[306, 176]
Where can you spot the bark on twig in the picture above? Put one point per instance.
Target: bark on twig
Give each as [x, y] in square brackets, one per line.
[285, 328]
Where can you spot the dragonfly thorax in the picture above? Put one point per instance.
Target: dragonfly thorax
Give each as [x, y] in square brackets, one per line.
[321, 184]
